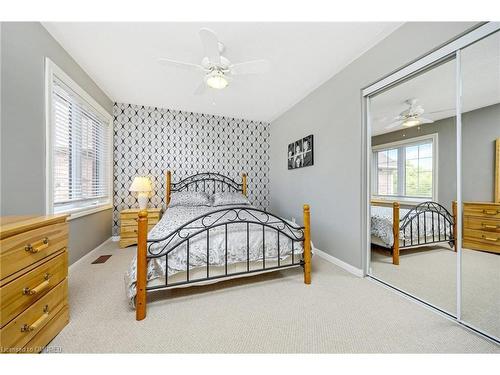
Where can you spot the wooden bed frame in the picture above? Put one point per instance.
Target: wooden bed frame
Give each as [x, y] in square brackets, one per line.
[213, 182]
[412, 218]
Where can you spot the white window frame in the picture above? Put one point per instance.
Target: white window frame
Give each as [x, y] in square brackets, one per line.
[435, 173]
[52, 70]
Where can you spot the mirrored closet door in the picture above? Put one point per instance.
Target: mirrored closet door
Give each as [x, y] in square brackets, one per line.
[480, 68]
[413, 186]
[434, 179]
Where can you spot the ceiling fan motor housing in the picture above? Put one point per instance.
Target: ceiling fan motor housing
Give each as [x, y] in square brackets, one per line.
[224, 64]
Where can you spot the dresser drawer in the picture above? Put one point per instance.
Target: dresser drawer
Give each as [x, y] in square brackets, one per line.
[132, 221]
[131, 231]
[490, 211]
[22, 292]
[481, 223]
[45, 336]
[482, 240]
[25, 326]
[22, 250]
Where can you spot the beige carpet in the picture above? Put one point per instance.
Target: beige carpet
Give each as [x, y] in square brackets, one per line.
[273, 313]
[430, 274]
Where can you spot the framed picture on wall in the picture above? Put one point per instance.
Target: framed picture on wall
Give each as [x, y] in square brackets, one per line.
[290, 155]
[301, 153]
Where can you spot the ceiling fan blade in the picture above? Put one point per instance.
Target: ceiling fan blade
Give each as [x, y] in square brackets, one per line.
[441, 111]
[394, 124]
[180, 64]
[425, 120]
[211, 45]
[250, 67]
[201, 88]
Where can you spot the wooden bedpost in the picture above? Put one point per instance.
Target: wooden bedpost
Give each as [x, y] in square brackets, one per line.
[168, 179]
[142, 264]
[244, 188]
[454, 211]
[395, 230]
[307, 245]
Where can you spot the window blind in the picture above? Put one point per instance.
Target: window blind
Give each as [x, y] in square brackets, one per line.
[81, 144]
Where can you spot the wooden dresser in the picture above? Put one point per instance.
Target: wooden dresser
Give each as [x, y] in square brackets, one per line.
[33, 281]
[128, 224]
[482, 226]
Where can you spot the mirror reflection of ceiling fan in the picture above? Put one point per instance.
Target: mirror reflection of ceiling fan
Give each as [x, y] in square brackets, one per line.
[218, 70]
[411, 116]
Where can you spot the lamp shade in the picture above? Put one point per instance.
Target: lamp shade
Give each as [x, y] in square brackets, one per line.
[141, 184]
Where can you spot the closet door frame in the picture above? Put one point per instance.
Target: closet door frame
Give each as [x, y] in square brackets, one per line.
[449, 51]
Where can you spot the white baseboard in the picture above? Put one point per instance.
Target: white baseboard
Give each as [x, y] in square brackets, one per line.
[346, 266]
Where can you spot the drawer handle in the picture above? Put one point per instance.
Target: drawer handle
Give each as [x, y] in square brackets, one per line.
[34, 326]
[489, 226]
[491, 212]
[37, 246]
[39, 288]
[490, 238]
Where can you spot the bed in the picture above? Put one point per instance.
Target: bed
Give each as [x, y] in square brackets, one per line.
[398, 228]
[207, 243]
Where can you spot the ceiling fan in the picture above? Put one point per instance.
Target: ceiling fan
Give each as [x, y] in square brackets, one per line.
[217, 70]
[411, 116]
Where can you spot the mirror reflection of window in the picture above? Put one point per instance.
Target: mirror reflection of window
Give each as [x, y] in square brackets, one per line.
[413, 163]
[387, 172]
[418, 170]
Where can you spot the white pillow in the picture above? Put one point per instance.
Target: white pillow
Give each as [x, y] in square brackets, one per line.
[189, 198]
[229, 198]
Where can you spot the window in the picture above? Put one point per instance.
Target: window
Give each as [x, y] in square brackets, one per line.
[79, 138]
[387, 167]
[407, 169]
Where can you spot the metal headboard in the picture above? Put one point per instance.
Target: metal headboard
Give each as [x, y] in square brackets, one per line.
[210, 182]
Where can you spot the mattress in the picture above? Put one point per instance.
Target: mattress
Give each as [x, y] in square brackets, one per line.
[381, 227]
[259, 240]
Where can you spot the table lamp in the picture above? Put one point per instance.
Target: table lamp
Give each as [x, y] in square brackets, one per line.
[141, 185]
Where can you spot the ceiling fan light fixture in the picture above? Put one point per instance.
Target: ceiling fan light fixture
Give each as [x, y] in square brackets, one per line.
[411, 122]
[216, 80]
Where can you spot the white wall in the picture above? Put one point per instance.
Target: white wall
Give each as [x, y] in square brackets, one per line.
[333, 114]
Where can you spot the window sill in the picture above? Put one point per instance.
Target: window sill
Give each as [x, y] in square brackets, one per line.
[77, 213]
[402, 201]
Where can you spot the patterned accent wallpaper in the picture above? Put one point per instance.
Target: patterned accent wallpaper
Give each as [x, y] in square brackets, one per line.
[150, 140]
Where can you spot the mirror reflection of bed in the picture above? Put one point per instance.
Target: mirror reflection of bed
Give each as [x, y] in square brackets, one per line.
[413, 162]
[427, 260]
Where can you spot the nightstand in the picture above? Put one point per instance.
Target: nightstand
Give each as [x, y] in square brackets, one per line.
[128, 224]
[482, 226]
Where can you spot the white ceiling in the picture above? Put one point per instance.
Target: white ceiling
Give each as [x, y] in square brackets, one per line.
[122, 60]
[435, 89]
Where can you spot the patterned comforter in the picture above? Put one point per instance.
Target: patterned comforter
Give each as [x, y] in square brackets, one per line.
[177, 216]
[381, 226]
